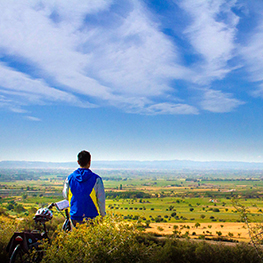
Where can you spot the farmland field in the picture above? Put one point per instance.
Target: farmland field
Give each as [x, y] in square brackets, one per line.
[158, 199]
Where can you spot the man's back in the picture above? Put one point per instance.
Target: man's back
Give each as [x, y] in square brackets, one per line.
[85, 192]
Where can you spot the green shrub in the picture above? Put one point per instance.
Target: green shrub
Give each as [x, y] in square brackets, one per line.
[117, 241]
[160, 228]
[199, 252]
[7, 227]
[3, 211]
[110, 241]
[19, 208]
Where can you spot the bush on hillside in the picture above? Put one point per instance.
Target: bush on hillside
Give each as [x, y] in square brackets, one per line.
[110, 241]
[117, 241]
[7, 227]
[199, 252]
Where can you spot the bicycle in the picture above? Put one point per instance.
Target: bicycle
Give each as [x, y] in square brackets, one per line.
[23, 243]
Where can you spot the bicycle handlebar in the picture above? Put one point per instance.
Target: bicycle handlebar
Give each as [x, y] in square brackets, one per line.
[51, 206]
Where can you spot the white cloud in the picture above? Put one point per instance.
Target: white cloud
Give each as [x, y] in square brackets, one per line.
[211, 37]
[169, 108]
[114, 63]
[252, 54]
[216, 101]
[258, 92]
[134, 57]
[116, 58]
[28, 32]
[31, 118]
[9, 104]
[24, 90]
[212, 33]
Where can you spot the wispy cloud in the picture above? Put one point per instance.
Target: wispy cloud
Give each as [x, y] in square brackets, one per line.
[21, 89]
[115, 54]
[31, 118]
[252, 53]
[217, 101]
[114, 63]
[165, 108]
[6, 103]
[211, 32]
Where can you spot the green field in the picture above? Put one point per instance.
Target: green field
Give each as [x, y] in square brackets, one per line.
[153, 196]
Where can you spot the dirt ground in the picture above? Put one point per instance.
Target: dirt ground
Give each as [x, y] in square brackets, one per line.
[239, 230]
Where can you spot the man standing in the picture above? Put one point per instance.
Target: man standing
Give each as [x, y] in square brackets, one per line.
[85, 191]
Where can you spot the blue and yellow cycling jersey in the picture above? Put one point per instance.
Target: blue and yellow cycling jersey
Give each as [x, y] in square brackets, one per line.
[85, 192]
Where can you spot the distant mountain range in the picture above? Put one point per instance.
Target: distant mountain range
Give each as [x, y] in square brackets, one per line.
[172, 165]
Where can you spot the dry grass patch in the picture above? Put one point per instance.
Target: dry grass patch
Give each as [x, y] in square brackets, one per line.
[239, 230]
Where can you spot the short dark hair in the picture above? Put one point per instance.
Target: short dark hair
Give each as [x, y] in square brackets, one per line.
[84, 158]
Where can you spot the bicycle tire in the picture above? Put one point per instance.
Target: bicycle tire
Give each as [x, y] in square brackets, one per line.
[17, 255]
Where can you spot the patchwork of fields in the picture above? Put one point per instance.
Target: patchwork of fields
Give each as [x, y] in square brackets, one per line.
[158, 200]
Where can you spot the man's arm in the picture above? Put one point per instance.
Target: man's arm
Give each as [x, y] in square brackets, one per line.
[66, 189]
[100, 193]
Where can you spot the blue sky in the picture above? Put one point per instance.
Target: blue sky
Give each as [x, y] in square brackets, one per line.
[131, 80]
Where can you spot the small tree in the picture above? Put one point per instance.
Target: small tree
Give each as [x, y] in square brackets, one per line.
[19, 208]
[175, 227]
[147, 223]
[197, 225]
[255, 231]
[171, 207]
[160, 228]
[10, 206]
[219, 233]
[230, 234]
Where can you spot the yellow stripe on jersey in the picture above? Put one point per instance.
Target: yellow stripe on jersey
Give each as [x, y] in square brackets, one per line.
[94, 199]
[69, 197]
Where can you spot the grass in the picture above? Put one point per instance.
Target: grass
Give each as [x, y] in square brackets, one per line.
[170, 195]
[115, 241]
[168, 188]
[153, 207]
[161, 205]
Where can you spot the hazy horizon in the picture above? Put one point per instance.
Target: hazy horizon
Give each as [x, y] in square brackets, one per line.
[134, 165]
